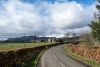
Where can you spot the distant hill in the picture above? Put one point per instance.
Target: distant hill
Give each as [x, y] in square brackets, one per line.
[27, 39]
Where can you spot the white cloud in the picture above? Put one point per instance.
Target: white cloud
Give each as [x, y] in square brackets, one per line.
[70, 15]
[18, 18]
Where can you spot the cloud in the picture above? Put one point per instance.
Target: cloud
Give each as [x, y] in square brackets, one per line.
[18, 18]
[71, 15]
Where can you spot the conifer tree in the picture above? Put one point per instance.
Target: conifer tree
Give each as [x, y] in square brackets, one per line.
[95, 25]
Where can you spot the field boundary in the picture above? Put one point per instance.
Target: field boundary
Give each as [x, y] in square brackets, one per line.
[16, 57]
[85, 61]
[73, 58]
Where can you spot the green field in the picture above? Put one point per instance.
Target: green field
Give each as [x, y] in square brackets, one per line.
[14, 46]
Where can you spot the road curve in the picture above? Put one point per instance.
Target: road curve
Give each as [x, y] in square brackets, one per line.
[55, 57]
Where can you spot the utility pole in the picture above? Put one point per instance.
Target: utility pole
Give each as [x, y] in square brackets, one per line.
[35, 37]
[24, 41]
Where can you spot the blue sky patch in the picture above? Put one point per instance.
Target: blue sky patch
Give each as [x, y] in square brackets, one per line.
[85, 2]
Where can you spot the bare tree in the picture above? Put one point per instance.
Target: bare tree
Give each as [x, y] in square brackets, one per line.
[88, 38]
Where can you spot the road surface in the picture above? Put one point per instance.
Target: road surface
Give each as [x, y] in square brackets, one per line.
[55, 57]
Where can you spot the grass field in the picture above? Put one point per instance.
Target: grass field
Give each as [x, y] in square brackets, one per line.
[14, 46]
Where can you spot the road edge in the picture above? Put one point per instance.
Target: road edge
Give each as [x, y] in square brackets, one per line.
[80, 61]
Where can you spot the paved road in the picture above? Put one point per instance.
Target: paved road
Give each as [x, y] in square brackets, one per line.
[55, 57]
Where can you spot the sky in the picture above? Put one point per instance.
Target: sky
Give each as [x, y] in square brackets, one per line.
[45, 17]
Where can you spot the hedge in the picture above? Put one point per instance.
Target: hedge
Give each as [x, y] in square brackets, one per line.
[15, 58]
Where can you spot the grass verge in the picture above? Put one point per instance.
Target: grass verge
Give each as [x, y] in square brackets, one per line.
[32, 62]
[86, 61]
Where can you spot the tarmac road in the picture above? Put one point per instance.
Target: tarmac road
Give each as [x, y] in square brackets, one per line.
[55, 57]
